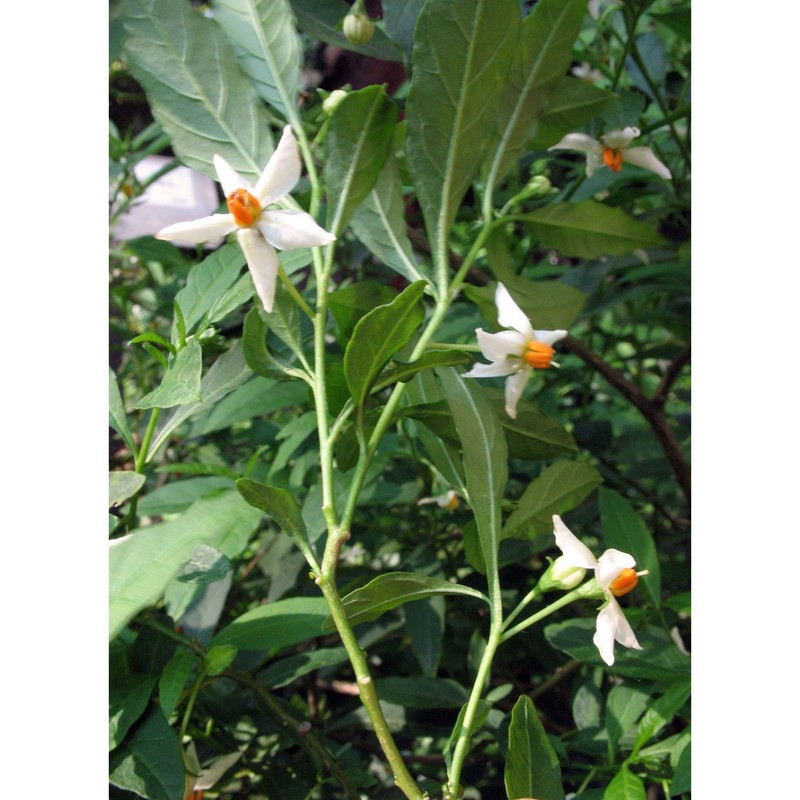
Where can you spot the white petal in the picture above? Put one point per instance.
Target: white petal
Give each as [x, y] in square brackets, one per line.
[644, 157]
[514, 387]
[497, 369]
[593, 163]
[510, 315]
[262, 261]
[594, 8]
[288, 230]
[610, 564]
[207, 229]
[578, 141]
[612, 626]
[620, 139]
[282, 171]
[576, 553]
[498, 346]
[549, 337]
[229, 178]
[606, 629]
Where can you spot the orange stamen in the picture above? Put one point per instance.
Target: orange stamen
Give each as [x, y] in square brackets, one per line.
[244, 207]
[612, 158]
[624, 582]
[538, 354]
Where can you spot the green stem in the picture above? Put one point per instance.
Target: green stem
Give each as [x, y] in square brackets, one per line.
[465, 734]
[296, 296]
[187, 714]
[568, 598]
[532, 594]
[139, 464]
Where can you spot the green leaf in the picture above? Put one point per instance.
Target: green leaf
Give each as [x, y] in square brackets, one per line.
[682, 775]
[194, 87]
[117, 418]
[357, 143]
[227, 372]
[181, 384]
[219, 658]
[350, 303]
[661, 712]
[380, 224]
[625, 785]
[321, 21]
[425, 626]
[404, 371]
[572, 103]
[659, 658]
[289, 669]
[482, 711]
[284, 320]
[589, 229]
[559, 488]
[625, 530]
[532, 768]
[276, 625]
[485, 458]
[177, 496]
[279, 505]
[391, 590]
[173, 680]
[127, 700]
[123, 484]
[542, 55]
[624, 706]
[142, 563]
[380, 334]
[462, 53]
[267, 47]
[254, 347]
[399, 20]
[205, 565]
[207, 282]
[422, 691]
[150, 763]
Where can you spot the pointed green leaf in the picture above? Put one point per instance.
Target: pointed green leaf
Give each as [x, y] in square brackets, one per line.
[391, 590]
[181, 383]
[350, 303]
[425, 626]
[279, 505]
[284, 320]
[482, 711]
[127, 700]
[559, 488]
[150, 763]
[142, 563]
[532, 768]
[207, 282]
[485, 457]
[625, 704]
[219, 658]
[625, 785]
[661, 712]
[267, 47]
[625, 530]
[401, 371]
[589, 229]
[117, 418]
[542, 55]
[357, 144]
[254, 346]
[462, 53]
[276, 625]
[378, 336]
[195, 89]
[227, 372]
[123, 484]
[173, 680]
[399, 21]
[380, 224]
[286, 670]
[422, 691]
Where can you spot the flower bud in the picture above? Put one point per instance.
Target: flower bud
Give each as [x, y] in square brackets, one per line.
[330, 103]
[358, 28]
[538, 186]
[562, 576]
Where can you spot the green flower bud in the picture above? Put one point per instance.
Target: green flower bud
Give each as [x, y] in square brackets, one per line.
[561, 576]
[358, 28]
[538, 186]
[330, 103]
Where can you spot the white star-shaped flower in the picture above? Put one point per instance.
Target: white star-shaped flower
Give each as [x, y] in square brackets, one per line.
[515, 353]
[612, 150]
[448, 500]
[259, 230]
[615, 575]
